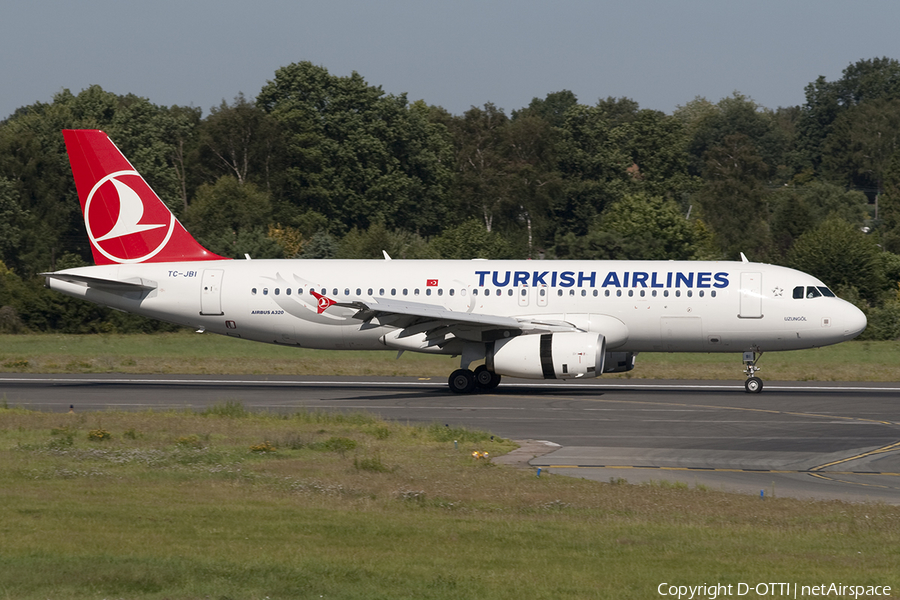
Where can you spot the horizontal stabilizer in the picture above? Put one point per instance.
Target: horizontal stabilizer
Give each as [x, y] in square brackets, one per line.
[137, 284]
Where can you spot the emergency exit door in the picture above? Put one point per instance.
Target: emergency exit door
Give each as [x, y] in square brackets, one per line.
[751, 296]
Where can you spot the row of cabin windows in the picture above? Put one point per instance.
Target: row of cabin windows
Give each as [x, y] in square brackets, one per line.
[812, 292]
[523, 291]
[336, 292]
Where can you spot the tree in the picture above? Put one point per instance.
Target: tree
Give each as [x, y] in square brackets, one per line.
[862, 143]
[354, 154]
[239, 139]
[737, 115]
[655, 223]
[482, 174]
[470, 240]
[637, 227]
[594, 170]
[657, 146]
[12, 220]
[889, 207]
[233, 219]
[552, 109]
[863, 81]
[377, 239]
[732, 200]
[795, 210]
[842, 256]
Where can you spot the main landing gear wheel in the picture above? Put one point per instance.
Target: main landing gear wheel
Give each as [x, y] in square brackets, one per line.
[753, 385]
[484, 379]
[462, 381]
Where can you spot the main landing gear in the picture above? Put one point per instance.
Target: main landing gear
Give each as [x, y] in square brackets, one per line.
[464, 381]
[754, 384]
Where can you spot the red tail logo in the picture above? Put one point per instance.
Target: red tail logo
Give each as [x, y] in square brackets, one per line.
[126, 221]
[324, 301]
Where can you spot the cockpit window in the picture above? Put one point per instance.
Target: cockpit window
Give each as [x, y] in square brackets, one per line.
[812, 292]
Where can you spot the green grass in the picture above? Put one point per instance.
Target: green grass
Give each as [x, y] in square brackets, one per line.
[400, 514]
[209, 354]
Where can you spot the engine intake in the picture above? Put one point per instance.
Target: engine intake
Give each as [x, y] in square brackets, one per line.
[548, 356]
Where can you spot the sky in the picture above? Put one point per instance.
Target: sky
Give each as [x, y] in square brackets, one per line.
[458, 54]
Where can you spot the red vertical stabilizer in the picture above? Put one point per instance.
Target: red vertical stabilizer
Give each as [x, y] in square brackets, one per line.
[126, 221]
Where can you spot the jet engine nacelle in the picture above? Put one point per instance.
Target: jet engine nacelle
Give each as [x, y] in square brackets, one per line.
[619, 362]
[548, 356]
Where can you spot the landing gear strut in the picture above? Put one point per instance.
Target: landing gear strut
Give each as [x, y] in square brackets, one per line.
[754, 384]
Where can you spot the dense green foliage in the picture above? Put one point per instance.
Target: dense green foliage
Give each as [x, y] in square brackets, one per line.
[321, 166]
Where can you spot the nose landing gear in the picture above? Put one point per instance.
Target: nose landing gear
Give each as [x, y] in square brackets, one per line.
[753, 384]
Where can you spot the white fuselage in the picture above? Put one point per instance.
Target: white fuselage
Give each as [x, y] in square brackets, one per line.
[639, 306]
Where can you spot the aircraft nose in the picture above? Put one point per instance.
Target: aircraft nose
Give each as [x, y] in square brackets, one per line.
[854, 321]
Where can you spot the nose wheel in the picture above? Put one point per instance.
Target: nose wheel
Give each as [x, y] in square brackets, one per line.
[753, 384]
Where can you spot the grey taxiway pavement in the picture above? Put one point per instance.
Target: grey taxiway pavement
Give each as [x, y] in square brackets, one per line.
[805, 440]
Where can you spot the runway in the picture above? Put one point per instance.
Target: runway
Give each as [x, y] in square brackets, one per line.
[804, 440]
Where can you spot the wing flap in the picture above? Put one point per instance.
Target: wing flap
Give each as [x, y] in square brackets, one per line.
[437, 322]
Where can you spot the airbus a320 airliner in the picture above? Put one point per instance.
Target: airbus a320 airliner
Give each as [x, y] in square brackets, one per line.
[530, 319]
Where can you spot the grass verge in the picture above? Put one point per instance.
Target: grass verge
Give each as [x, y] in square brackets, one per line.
[190, 353]
[230, 504]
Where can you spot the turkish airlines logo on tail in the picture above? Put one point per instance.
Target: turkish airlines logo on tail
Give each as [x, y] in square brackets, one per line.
[324, 302]
[125, 220]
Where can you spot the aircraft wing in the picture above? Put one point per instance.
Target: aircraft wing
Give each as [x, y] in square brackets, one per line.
[438, 323]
